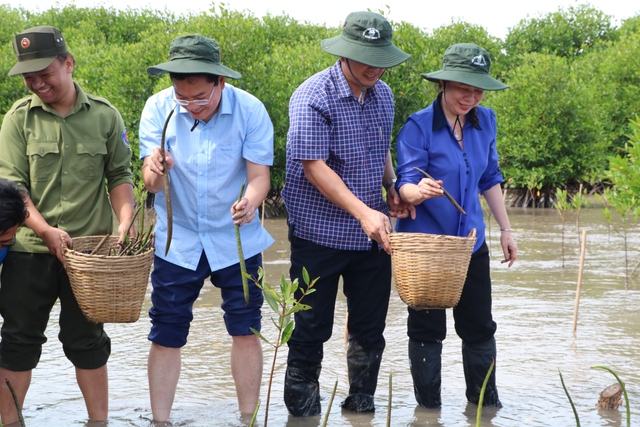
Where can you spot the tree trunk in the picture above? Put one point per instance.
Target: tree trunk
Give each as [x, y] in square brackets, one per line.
[611, 397]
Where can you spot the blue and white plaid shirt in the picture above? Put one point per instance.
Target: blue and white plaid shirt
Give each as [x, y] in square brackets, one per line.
[327, 122]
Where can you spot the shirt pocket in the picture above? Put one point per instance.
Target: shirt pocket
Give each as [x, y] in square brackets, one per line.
[43, 158]
[91, 158]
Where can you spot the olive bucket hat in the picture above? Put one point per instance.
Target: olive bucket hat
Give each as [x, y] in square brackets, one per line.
[193, 54]
[468, 64]
[36, 48]
[366, 38]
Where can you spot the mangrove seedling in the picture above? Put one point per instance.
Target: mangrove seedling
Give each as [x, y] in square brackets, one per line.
[564, 387]
[482, 391]
[243, 266]
[284, 304]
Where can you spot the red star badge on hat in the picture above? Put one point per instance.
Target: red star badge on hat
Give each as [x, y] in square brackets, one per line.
[25, 43]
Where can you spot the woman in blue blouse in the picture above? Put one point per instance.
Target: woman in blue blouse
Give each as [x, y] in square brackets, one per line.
[454, 141]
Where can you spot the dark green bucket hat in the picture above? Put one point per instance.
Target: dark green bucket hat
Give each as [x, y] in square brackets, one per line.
[36, 48]
[366, 38]
[468, 64]
[193, 54]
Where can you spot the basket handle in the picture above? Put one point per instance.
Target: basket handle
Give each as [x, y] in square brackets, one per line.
[472, 234]
[63, 243]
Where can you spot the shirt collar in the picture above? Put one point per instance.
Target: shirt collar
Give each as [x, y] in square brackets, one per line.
[81, 99]
[342, 86]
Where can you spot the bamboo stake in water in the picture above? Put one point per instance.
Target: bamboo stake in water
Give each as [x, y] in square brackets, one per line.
[582, 251]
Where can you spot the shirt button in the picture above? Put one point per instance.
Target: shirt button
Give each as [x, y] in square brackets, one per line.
[65, 172]
[201, 173]
[201, 195]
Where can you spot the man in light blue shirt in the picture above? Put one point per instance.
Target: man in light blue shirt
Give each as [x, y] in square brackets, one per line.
[216, 137]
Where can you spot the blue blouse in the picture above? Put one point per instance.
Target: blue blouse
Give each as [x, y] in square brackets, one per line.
[427, 142]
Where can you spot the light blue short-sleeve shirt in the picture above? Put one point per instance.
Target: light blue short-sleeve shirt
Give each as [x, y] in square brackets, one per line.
[209, 169]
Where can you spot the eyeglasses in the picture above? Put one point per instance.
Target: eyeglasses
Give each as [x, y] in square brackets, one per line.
[199, 102]
[6, 244]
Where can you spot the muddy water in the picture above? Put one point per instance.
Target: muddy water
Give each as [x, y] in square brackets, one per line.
[533, 306]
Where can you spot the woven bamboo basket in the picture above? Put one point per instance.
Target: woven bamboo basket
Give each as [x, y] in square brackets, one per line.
[430, 269]
[109, 289]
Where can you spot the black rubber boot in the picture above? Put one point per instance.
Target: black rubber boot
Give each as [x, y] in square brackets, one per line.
[476, 360]
[302, 390]
[363, 365]
[425, 360]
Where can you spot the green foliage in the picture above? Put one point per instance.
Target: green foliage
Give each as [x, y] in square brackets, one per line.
[574, 78]
[624, 193]
[548, 134]
[562, 33]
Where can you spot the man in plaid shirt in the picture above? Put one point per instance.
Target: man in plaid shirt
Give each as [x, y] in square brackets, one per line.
[338, 160]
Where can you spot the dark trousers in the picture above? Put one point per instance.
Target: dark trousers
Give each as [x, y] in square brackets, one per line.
[366, 284]
[473, 320]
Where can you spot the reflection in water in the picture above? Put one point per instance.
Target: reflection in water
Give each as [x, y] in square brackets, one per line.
[533, 306]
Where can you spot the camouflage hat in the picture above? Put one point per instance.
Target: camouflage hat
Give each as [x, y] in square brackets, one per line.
[36, 48]
[366, 38]
[193, 54]
[468, 64]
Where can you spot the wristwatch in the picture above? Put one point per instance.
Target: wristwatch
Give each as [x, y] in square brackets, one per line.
[389, 183]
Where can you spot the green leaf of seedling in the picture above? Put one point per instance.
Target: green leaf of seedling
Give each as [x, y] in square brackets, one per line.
[272, 299]
[294, 287]
[305, 276]
[310, 291]
[259, 335]
[286, 333]
[298, 307]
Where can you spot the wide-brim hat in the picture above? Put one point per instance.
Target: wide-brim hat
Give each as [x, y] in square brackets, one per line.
[366, 38]
[468, 64]
[193, 54]
[36, 48]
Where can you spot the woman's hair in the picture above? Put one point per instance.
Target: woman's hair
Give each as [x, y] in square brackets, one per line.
[13, 209]
[472, 115]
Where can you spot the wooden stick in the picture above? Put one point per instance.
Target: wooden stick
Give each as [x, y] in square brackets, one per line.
[165, 178]
[579, 286]
[446, 193]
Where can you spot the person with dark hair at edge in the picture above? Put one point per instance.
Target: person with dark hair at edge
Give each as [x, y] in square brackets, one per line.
[338, 161]
[454, 141]
[217, 138]
[70, 151]
[13, 212]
